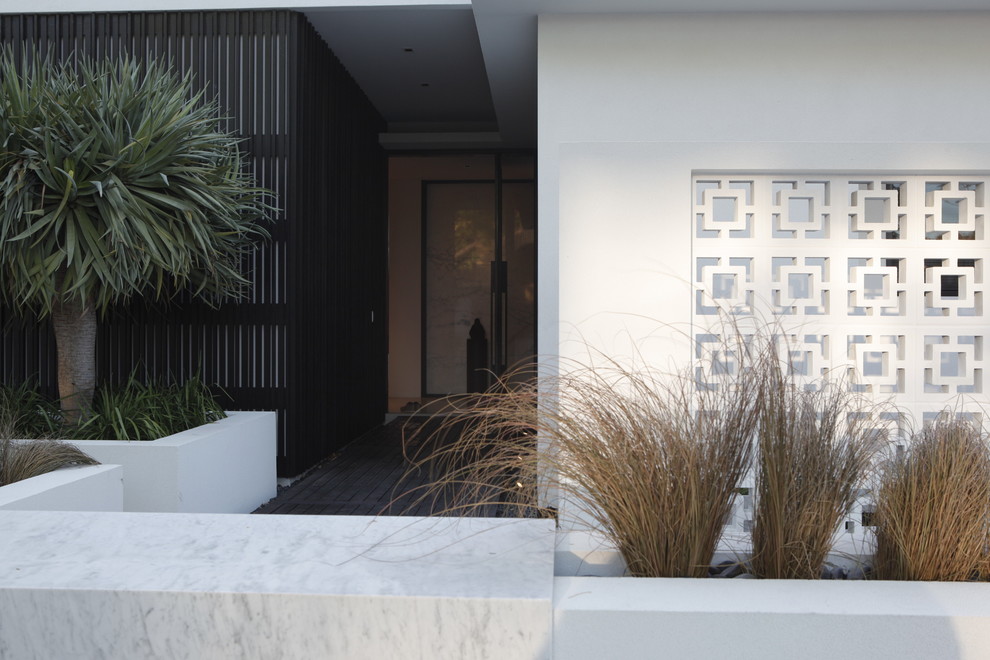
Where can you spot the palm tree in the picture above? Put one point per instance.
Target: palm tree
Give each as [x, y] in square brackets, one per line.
[116, 181]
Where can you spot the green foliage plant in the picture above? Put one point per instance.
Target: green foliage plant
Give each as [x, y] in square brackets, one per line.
[116, 181]
[933, 505]
[25, 413]
[147, 411]
[132, 411]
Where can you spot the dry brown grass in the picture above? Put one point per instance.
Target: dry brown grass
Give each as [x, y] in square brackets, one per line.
[650, 461]
[814, 451]
[933, 505]
[657, 467]
[653, 462]
[23, 460]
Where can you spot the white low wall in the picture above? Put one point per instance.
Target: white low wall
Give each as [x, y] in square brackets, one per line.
[224, 467]
[687, 619]
[233, 586]
[78, 488]
[598, 613]
[124, 585]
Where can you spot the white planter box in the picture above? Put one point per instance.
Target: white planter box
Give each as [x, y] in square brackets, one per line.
[224, 467]
[697, 619]
[597, 615]
[78, 488]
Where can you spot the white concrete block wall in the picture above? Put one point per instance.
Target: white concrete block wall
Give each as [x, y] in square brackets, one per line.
[631, 105]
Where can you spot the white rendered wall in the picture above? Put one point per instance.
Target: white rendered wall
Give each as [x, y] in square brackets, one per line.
[78, 488]
[223, 467]
[630, 106]
[768, 619]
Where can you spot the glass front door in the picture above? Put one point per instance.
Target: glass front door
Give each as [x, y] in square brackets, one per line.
[478, 270]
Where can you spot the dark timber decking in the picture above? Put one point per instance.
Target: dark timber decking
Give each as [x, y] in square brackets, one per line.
[367, 477]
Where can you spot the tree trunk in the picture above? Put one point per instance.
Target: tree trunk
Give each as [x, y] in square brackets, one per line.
[75, 338]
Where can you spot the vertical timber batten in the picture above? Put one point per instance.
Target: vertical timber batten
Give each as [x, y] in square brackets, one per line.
[302, 341]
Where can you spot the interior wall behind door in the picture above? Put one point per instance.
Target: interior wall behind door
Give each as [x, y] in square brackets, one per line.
[406, 176]
[459, 250]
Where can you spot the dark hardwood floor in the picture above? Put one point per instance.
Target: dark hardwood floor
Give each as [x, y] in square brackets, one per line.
[370, 476]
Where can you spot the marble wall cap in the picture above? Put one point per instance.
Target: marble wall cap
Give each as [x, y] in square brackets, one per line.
[347, 555]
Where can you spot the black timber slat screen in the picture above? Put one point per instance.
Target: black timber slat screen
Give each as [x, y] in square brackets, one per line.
[345, 201]
[302, 343]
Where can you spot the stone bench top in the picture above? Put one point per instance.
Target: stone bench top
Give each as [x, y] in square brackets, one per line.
[166, 585]
[432, 557]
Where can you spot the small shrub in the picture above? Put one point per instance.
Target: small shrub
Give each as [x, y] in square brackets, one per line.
[25, 413]
[140, 411]
[933, 505]
[133, 411]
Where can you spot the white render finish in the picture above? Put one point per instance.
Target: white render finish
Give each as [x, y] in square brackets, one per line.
[632, 107]
[788, 77]
[224, 467]
[77, 488]
[154, 585]
[768, 619]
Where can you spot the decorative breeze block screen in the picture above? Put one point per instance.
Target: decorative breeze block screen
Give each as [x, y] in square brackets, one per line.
[880, 277]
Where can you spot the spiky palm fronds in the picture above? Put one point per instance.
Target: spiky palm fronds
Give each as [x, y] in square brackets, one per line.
[116, 181]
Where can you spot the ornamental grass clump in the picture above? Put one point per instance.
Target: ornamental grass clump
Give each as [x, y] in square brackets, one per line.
[655, 465]
[933, 505]
[815, 449]
[23, 460]
[650, 461]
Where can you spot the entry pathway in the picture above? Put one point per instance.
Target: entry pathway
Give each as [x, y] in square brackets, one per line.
[368, 477]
